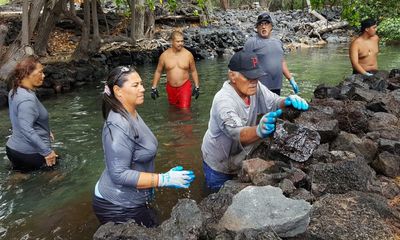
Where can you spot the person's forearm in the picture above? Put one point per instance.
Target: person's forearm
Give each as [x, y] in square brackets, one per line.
[147, 180]
[156, 79]
[195, 77]
[359, 68]
[285, 70]
[248, 135]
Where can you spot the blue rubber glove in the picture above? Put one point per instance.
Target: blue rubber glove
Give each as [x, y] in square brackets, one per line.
[297, 102]
[294, 85]
[267, 124]
[154, 93]
[176, 178]
[368, 74]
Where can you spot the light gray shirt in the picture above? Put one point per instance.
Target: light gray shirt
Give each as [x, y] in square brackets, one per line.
[229, 114]
[129, 148]
[30, 123]
[270, 54]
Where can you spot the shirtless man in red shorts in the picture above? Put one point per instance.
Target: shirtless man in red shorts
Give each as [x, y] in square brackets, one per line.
[178, 62]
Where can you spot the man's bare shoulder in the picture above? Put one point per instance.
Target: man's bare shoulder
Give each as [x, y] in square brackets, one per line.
[166, 52]
[187, 52]
[375, 38]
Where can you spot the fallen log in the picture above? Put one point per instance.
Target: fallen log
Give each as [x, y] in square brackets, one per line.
[177, 17]
[321, 27]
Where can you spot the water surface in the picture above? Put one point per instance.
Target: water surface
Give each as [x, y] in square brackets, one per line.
[57, 204]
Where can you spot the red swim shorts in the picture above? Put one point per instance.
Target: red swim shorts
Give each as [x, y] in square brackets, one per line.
[180, 96]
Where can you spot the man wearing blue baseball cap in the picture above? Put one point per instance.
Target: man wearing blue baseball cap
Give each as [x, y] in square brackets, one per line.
[232, 128]
[271, 55]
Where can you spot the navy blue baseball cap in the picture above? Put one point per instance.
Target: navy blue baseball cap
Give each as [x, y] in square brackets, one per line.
[263, 17]
[246, 63]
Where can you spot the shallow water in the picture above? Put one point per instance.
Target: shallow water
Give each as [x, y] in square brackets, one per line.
[57, 204]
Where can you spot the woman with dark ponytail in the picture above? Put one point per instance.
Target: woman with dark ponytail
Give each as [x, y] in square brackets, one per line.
[126, 185]
[29, 148]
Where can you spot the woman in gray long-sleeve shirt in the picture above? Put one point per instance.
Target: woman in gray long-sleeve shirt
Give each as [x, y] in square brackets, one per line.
[126, 184]
[28, 148]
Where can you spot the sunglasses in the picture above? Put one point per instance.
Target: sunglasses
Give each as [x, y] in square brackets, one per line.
[122, 71]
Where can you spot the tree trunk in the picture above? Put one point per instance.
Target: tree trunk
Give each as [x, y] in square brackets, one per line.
[149, 23]
[25, 23]
[95, 44]
[132, 5]
[139, 27]
[50, 16]
[81, 51]
[224, 4]
[34, 14]
[3, 34]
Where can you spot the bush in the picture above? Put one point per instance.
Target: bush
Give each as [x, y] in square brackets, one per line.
[389, 29]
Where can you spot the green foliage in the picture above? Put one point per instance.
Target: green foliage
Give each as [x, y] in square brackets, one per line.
[172, 5]
[151, 4]
[2, 2]
[201, 4]
[389, 29]
[354, 11]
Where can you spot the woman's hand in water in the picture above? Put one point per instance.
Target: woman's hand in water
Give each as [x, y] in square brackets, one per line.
[51, 159]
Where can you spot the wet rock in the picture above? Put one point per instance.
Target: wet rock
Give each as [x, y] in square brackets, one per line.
[394, 73]
[252, 208]
[130, 230]
[387, 164]
[321, 122]
[214, 206]
[341, 177]
[322, 91]
[351, 216]
[361, 147]
[293, 142]
[186, 221]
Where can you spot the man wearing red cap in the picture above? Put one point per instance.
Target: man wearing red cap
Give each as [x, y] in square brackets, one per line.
[364, 49]
[270, 52]
[233, 128]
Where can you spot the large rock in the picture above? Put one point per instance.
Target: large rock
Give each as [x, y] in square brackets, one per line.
[387, 164]
[382, 120]
[214, 206]
[293, 142]
[129, 230]
[342, 177]
[266, 208]
[253, 166]
[320, 120]
[351, 216]
[186, 221]
[362, 147]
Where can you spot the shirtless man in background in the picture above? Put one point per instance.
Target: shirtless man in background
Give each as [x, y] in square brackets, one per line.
[178, 62]
[364, 49]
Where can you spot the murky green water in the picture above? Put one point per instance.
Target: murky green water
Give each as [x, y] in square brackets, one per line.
[57, 204]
